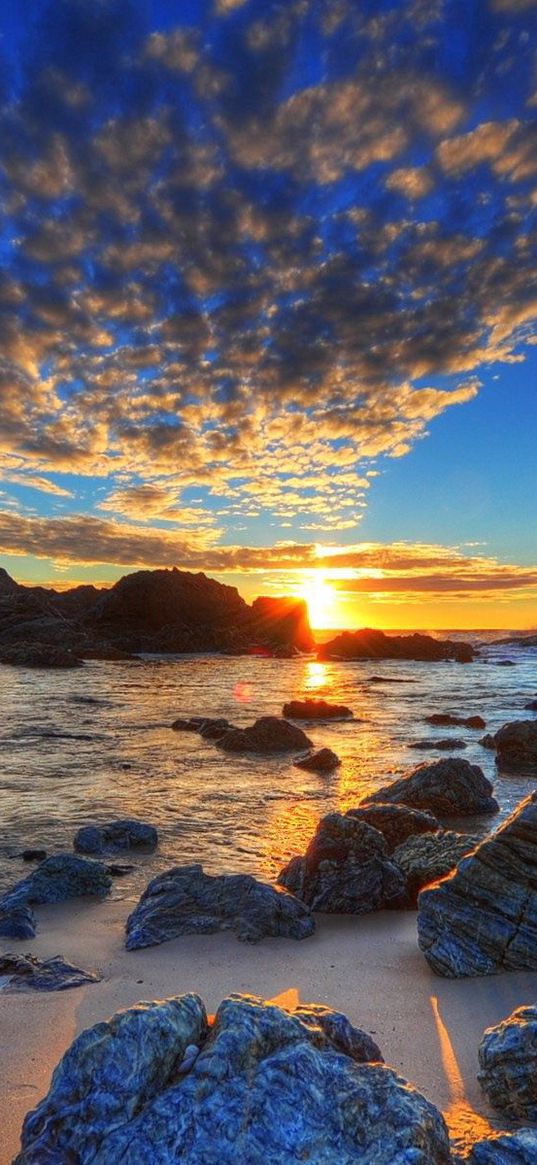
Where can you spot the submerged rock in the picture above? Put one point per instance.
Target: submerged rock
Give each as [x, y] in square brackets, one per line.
[428, 857]
[346, 869]
[531, 707]
[33, 855]
[16, 921]
[323, 761]
[267, 1086]
[316, 710]
[446, 720]
[508, 1065]
[28, 973]
[443, 745]
[56, 879]
[518, 1148]
[483, 917]
[450, 788]
[395, 822]
[268, 734]
[185, 900]
[516, 746]
[116, 835]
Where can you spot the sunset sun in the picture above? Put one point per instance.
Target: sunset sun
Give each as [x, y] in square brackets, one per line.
[321, 599]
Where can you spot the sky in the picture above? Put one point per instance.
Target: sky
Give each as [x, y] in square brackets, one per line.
[268, 296]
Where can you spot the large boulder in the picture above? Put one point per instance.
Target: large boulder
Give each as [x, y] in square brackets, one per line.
[268, 734]
[17, 921]
[346, 869]
[28, 973]
[395, 822]
[449, 788]
[116, 835]
[38, 655]
[426, 857]
[56, 879]
[282, 621]
[372, 644]
[508, 1065]
[483, 918]
[159, 1084]
[516, 746]
[518, 1148]
[316, 710]
[185, 900]
[323, 761]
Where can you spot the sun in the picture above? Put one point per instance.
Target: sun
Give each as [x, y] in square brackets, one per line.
[320, 597]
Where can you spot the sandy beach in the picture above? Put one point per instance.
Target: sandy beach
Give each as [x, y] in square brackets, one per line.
[369, 967]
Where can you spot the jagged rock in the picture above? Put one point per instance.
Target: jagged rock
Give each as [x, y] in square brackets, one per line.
[185, 900]
[516, 746]
[192, 724]
[38, 655]
[316, 710]
[445, 720]
[346, 869]
[395, 822]
[116, 835]
[282, 621]
[372, 644]
[215, 729]
[483, 918]
[323, 761]
[28, 973]
[56, 879]
[508, 1065]
[518, 1148]
[268, 734]
[266, 1086]
[445, 744]
[428, 857]
[449, 788]
[531, 707]
[16, 921]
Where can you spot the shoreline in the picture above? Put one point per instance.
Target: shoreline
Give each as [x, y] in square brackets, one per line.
[368, 966]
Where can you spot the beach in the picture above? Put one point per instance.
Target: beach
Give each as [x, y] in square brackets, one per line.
[369, 967]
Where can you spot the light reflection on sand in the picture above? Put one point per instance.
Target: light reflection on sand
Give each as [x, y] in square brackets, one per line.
[464, 1123]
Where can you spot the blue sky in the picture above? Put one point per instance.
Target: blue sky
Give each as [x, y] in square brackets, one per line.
[269, 293]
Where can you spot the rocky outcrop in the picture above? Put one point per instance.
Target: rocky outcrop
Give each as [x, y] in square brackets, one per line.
[56, 879]
[282, 621]
[116, 835]
[28, 973]
[446, 720]
[316, 710]
[38, 655]
[268, 734]
[508, 1065]
[263, 1085]
[516, 746]
[372, 644]
[209, 728]
[483, 917]
[531, 707]
[448, 788]
[445, 744]
[518, 1148]
[428, 857]
[346, 869]
[323, 761]
[395, 822]
[185, 900]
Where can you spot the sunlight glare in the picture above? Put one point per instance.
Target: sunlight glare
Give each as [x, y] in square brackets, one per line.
[320, 597]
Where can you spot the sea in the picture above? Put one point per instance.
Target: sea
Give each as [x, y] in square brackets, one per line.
[92, 745]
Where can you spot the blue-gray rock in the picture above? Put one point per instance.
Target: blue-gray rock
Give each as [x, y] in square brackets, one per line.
[508, 1065]
[17, 922]
[449, 788]
[116, 835]
[395, 822]
[269, 734]
[346, 869]
[33, 855]
[516, 747]
[483, 918]
[56, 879]
[185, 900]
[518, 1148]
[426, 857]
[323, 761]
[267, 1086]
[28, 973]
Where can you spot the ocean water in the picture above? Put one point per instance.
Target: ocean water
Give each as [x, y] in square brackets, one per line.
[91, 745]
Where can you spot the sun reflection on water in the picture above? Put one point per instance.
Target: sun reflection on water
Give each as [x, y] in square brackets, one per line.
[316, 676]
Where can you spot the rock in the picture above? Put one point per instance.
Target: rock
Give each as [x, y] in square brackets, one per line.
[345, 870]
[508, 1065]
[192, 724]
[268, 734]
[185, 900]
[28, 973]
[449, 788]
[17, 922]
[56, 879]
[266, 1086]
[483, 917]
[390, 680]
[118, 871]
[395, 822]
[282, 621]
[38, 655]
[116, 835]
[428, 857]
[518, 1148]
[504, 662]
[487, 741]
[323, 761]
[516, 746]
[372, 644]
[215, 729]
[445, 720]
[33, 855]
[531, 707]
[443, 745]
[316, 710]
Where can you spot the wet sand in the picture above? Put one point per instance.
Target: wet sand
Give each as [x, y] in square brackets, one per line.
[370, 967]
